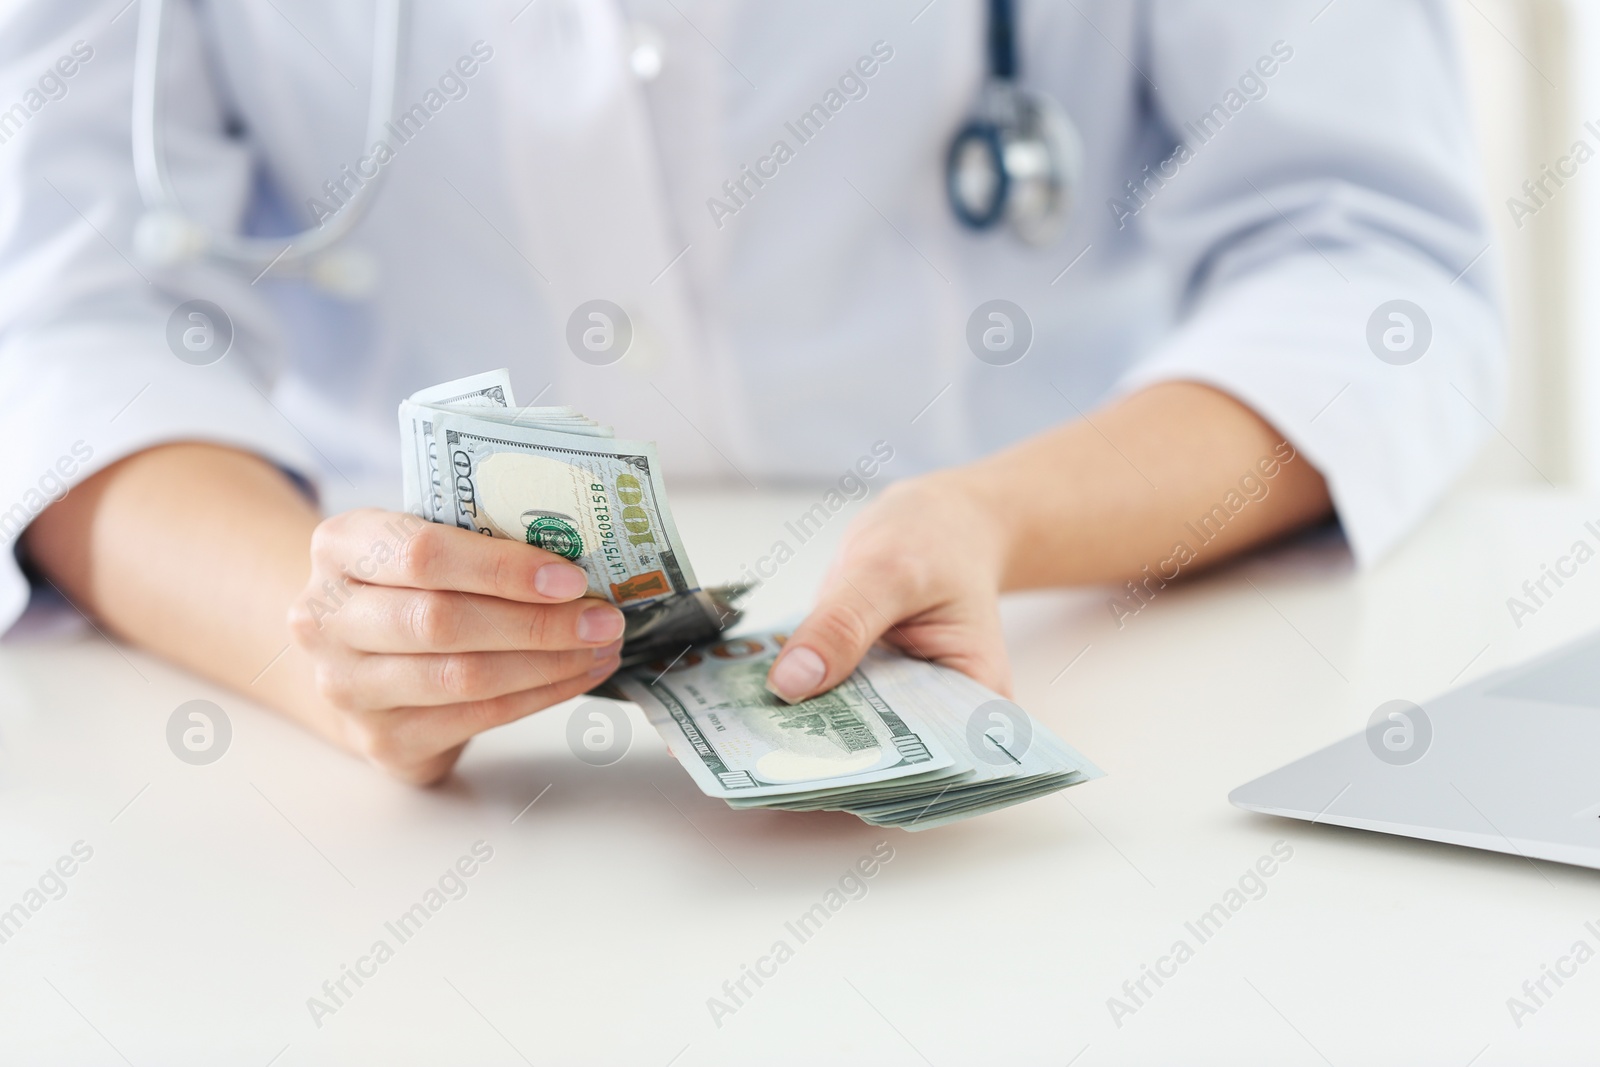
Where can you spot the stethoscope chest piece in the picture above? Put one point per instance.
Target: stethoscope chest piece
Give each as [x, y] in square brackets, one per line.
[1019, 159]
[1018, 162]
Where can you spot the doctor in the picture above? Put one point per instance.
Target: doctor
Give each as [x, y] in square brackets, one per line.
[1234, 284]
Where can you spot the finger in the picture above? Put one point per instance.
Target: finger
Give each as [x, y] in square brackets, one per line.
[974, 645]
[376, 618]
[855, 609]
[404, 739]
[430, 770]
[367, 682]
[397, 549]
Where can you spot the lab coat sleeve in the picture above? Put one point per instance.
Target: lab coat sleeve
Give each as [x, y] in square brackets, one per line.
[87, 374]
[1308, 199]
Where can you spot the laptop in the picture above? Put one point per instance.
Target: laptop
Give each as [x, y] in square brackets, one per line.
[1510, 763]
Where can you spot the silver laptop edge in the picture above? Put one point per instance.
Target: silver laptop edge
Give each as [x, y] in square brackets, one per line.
[1509, 763]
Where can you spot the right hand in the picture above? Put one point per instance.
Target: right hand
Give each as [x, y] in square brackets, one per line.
[421, 635]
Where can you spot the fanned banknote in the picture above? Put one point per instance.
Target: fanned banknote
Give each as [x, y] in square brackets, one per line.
[901, 742]
[556, 479]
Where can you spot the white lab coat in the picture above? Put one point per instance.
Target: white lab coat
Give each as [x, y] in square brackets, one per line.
[779, 340]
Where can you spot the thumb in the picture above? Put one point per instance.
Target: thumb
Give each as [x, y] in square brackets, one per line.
[853, 612]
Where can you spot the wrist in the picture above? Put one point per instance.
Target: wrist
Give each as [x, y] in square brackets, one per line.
[981, 515]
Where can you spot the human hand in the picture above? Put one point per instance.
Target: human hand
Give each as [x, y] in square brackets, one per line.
[921, 568]
[422, 635]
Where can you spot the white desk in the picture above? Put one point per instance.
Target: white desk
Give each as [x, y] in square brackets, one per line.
[219, 898]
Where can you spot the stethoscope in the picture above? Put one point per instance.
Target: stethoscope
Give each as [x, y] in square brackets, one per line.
[166, 235]
[1016, 160]
[1019, 158]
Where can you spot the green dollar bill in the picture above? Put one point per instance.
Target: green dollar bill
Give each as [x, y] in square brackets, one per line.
[553, 478]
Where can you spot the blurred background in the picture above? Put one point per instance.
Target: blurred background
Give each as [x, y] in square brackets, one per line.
[1533, 89]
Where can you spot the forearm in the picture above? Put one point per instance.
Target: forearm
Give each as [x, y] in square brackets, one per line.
[196, 553]
[1178, 464]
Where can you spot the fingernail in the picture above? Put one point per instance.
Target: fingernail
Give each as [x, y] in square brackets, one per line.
[560, 581]
[605, 668]
[797, 672]
[600, 624]
[607, 651]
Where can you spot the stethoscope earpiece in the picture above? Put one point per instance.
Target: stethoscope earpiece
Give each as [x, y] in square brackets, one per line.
[350, 273]
[167, 238]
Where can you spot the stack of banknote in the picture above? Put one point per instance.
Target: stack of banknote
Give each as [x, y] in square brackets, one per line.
[901, 742]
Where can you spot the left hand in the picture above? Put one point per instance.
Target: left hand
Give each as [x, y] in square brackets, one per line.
[921, 568]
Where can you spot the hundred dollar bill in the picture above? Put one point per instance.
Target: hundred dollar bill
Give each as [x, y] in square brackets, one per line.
[419, 458]
[901, 742]
[554, 478]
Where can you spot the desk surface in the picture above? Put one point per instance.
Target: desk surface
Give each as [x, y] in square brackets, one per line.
[218, 899]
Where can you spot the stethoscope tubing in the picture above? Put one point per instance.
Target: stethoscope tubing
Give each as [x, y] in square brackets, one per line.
[155, 183]
[159, 196]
